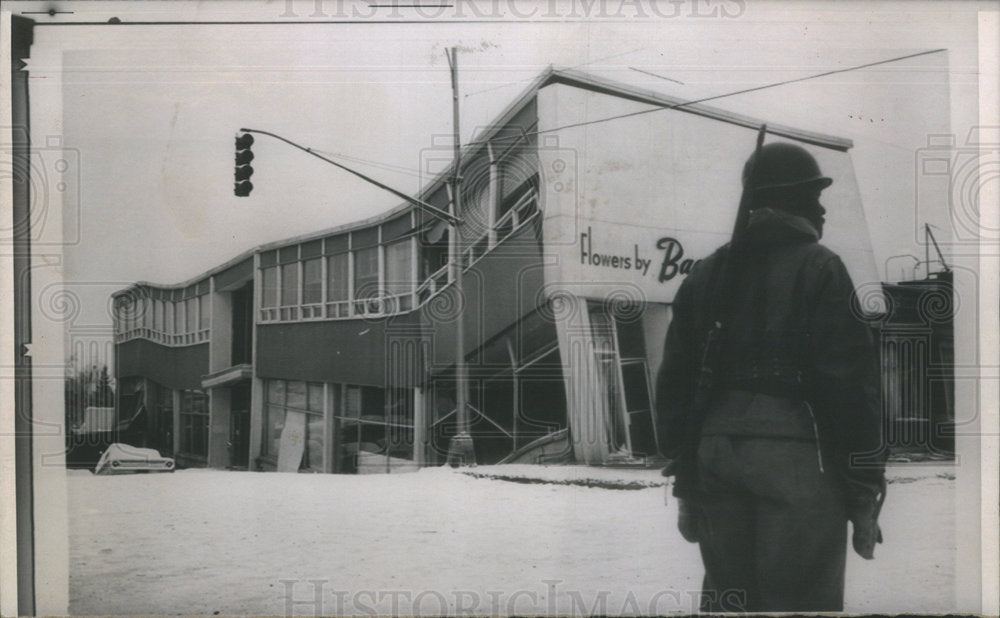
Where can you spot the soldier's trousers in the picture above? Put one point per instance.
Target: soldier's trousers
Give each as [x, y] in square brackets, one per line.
[773, 534]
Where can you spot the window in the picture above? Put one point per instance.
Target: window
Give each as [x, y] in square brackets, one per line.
[168, 317]
[399, 273]
[312, 282]
[328, 279]
[620, 349]
[290, 291]
[191, 313]
[275, 414]
[337, 277]
[194, 423]
[179, 318]
[373, 422]
[147, 313]
[312, 288]
[475, 212]
[293, 397]
[164, 441]
[352, 402]
[313, 456]
[203, 319]
[518, 204]
[158, 315]
[365, 275]
[290, 285]
[337, 285]
[269, 287]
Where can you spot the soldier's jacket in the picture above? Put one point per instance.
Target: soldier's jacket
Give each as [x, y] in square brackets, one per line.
[794, 336]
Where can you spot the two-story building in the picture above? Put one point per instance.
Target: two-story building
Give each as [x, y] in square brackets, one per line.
[585, 204]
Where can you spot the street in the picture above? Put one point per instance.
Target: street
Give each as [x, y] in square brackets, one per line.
[439, 541]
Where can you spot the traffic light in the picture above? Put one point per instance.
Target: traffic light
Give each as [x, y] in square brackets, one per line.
[244, 156]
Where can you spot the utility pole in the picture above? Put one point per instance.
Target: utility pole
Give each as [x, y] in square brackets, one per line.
[461, 450]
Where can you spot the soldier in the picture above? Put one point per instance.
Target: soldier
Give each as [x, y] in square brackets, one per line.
[767, 465]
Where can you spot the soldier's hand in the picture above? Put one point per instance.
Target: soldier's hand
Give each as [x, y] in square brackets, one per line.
[864, 517]
[688, 517]
[864, 540]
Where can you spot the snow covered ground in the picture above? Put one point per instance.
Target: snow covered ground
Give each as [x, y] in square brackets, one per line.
[440, 541]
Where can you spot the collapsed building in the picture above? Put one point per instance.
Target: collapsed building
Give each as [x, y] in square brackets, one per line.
[335, 351]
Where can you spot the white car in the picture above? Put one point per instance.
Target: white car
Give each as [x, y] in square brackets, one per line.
[123, 459]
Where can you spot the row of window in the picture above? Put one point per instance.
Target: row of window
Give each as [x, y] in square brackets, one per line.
[380, 270]
[379, 279]
[181, 322]
[384, 270]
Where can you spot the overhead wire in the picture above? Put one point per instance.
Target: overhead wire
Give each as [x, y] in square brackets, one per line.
[521, 135]
[711, 98]
[408, 171]
[528, 79]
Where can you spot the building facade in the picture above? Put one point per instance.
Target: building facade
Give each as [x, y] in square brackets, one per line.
[584, 206]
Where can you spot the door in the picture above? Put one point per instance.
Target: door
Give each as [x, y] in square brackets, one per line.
[239, 438]
[239, 426]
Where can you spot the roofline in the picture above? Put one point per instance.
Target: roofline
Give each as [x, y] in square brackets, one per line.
[606, 86]
[274, 244]
[550, 75]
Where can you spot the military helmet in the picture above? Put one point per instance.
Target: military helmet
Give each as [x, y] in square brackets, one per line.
[783, 164]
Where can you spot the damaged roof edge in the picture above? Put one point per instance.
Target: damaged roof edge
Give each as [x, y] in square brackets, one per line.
[550, 75]
[605, 86]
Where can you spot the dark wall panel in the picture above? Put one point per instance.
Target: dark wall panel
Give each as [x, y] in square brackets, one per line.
[172, 367]
[351, 351]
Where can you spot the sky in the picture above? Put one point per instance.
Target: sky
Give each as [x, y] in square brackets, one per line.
[150, 111]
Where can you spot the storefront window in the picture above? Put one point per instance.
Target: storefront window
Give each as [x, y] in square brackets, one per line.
[194, 423]
[373, 422]
[163, 421]
[295, 397]
[620, 348]
[275, 414]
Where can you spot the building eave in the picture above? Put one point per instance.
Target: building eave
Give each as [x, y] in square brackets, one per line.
[593, 83]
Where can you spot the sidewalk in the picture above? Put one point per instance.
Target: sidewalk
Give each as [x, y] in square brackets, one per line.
[643, 478]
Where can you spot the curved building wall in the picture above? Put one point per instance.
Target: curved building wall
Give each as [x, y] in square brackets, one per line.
[171, 367]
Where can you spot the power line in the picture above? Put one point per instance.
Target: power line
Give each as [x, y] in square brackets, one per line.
[408, 171]
[575, 66]
[711, 98]
[669, 79]
[524, 134]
